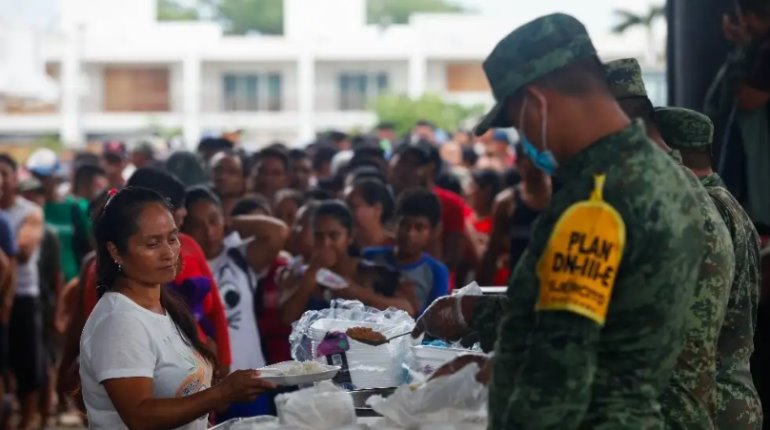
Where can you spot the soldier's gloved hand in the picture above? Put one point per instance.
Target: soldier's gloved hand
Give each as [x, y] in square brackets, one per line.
[444, 319]
[455, 365]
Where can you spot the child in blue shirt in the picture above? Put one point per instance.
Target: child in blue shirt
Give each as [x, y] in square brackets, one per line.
[418, 213]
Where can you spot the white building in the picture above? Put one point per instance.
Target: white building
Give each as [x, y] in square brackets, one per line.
[120, 72]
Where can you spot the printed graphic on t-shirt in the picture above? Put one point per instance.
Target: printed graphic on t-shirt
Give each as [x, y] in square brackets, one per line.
[197, 380]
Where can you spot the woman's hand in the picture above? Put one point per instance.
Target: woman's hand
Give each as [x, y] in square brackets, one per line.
[322, 258]
[243, 386]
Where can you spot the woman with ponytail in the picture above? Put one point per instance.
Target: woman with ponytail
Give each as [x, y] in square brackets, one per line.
[142, 363]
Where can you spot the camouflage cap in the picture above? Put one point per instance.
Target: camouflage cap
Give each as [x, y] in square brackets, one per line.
[624, 78]
[531, 51]
[685, 129]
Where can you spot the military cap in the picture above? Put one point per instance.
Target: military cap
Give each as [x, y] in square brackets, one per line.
[532, 51]
[624, 78]
[685, 129]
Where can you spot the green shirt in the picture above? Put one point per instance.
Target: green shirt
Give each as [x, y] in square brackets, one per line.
[69, 223]
[738, 405]
[561, 370]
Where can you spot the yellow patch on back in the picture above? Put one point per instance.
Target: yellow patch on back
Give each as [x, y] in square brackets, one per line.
[580, 264]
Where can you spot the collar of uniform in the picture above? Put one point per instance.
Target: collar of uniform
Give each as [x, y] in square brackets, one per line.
[712, 180]
[603, 152]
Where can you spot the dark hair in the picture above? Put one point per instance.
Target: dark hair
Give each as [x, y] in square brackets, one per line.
[367, 172]
[291, 194]
[639, 107]
[470, 157]
[335, 136]
[386, 125]
[85, 158]
[323, 155]
[211, 144]
[116, 224]
[7, 159]
[424, 123]
[335, 209]
[273, 152]
[419, 202]
[96, 205]
[188, 168]
[196, 194]
[449, 181]
[511, 177]
[317, 194]
[247, 205]
[168, 185]
[488, 179]
[85, 173]
[374, 191]
[239, 155]
[297, 154]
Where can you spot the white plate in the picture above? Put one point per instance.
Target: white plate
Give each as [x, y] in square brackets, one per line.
[274, 374]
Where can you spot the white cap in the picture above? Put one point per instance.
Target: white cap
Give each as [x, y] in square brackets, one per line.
[43, 162]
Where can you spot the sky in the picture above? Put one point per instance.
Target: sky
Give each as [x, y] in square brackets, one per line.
[597, 15]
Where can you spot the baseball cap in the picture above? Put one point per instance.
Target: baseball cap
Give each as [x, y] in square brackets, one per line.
[43, 162]
[685, 129]
[624, 77]
[530, 52]
[114, 149]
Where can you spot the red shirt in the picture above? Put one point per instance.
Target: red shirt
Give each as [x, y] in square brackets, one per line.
[452, 211]
[194, 270]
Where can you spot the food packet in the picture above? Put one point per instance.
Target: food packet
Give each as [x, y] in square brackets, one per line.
[457, 401]
[322, 407]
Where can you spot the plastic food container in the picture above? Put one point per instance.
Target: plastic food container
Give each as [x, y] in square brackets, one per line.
[429, 358]
[369, 366]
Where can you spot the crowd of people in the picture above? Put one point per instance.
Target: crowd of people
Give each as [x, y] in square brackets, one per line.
[261, 237]
[144, 287]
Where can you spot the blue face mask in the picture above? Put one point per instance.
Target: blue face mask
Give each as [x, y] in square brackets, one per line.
[543, 160]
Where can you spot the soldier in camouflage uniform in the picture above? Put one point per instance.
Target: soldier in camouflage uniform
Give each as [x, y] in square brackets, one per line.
[594, 317]
[690, 400]
[738, 405]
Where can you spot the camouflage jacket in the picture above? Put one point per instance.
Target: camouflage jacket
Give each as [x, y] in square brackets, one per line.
[738, 405]
[689, 401]
[562, 370]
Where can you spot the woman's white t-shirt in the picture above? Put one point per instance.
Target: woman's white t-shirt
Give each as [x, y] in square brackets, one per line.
[124, 340]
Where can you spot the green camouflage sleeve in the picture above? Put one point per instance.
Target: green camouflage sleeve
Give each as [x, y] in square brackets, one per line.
[738, 404]
[553, 385]
[487, 314]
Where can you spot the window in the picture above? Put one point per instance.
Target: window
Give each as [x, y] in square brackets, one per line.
[252, 92]
[356, 89]
[136, 89]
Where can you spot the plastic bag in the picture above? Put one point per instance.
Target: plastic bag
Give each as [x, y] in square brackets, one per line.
[320, 335]
[457, 401]
[322, 407]
[472, 289]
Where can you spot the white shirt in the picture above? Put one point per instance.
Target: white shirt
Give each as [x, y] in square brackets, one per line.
[237, 288]
[123, 340]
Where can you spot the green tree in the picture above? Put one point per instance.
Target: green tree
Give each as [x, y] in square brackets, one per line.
[246, 16]
[628, 20]
[398, 11]
[171, 10]
[266, 16]
[403, 111]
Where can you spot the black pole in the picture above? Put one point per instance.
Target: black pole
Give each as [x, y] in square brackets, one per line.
[696, 48]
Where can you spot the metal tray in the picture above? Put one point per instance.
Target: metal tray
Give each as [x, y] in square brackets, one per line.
[361, 396]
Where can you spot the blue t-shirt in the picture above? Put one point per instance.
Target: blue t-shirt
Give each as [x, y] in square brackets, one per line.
[430, 276]
[7, 237]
